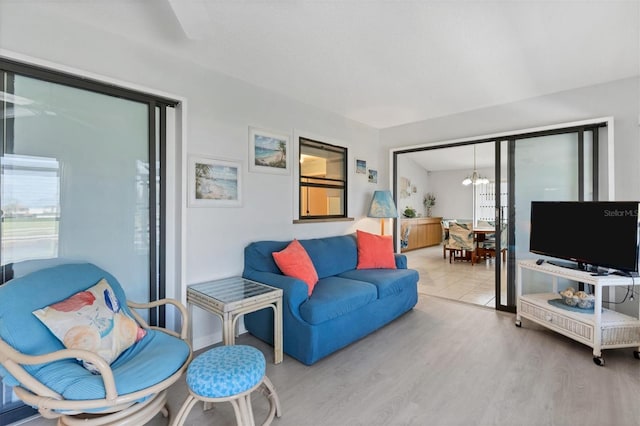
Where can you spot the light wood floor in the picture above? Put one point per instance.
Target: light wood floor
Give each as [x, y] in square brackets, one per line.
[456, 280]
[446, 363]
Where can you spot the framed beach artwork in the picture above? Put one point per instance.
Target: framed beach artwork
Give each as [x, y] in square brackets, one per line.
[268, 152]
[214, 183]
[361, 166]
[373, 176]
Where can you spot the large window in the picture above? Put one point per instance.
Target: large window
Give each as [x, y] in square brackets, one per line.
[323, 180]
[82, 178]
[485, 201]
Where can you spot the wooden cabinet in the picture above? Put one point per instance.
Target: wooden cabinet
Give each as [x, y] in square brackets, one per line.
[423, 232]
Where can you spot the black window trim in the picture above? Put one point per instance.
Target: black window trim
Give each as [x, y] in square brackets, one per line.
[345, 184]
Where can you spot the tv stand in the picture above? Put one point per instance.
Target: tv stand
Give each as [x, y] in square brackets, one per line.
[600, 329]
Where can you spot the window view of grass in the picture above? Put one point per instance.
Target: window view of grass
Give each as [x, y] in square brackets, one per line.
[29, 238]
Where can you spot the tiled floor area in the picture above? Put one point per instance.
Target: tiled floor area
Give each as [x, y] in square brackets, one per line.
[457, 280]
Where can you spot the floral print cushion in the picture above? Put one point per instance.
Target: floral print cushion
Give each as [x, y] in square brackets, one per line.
[460, 236]
[92, 320]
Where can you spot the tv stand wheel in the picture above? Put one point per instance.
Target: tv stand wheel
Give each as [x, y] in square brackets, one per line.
[598, 360]
[518, 323]
[636, 354]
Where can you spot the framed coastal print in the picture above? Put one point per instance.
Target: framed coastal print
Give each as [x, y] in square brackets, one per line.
[361, 166]
[269, 152]
[214, 183]
[373, 176]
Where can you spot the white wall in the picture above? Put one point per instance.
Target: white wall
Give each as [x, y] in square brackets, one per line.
[409, 169]
[220, 111]
[454, 200]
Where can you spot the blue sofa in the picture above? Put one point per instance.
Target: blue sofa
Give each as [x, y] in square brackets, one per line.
[346, 303]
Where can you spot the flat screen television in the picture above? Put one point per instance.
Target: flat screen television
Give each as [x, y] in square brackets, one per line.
[593, 234]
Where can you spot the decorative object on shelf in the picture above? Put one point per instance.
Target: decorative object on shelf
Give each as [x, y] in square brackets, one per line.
[382, 207]
[475, 177]
[214, 183]
[429, 201]
[579, 299]
[268, 152]
[409, 212]
[373, 176]
[361, 167]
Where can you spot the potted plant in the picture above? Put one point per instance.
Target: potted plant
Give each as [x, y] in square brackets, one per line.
[409, 212]
[429, 201]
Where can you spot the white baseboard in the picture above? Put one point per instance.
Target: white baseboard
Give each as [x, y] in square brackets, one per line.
[212, 339]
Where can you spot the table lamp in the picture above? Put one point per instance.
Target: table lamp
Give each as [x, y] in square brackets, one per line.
[383, 207]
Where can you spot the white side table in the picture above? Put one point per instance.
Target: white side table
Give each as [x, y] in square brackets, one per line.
[229, 298]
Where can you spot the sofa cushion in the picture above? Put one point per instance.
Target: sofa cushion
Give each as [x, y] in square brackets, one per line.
[388, 282]
[151, 360]
[375, 251]
[258, 256]
[294, 262]
[336, 296]
[332, 255]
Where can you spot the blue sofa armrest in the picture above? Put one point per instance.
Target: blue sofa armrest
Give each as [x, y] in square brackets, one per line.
[401, 261]
[295, 291]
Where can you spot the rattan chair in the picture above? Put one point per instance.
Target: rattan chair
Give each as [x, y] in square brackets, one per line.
[48, 376]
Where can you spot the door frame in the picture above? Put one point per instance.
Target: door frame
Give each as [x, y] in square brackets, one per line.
[511, 137]
[171, 150]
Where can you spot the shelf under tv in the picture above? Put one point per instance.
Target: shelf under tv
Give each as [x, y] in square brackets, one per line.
[599, 329]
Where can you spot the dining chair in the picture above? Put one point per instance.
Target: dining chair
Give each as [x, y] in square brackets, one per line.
[444, 223]
[487, 248]
[405, 230]
[461, 242]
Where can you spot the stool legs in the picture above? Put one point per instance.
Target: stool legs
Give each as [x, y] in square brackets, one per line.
[241, 404]
[269, 391]
[242, 408]
[184, 411]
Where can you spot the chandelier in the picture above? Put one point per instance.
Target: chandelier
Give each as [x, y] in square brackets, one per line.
[475, 177]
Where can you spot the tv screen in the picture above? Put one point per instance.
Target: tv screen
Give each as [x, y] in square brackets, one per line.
[591, 233]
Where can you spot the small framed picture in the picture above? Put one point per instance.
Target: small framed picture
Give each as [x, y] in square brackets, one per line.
[214, 183]
[361, 166]
[268, 152]
[373, 176]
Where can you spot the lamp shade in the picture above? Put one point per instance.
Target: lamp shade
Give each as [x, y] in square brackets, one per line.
[382, 205]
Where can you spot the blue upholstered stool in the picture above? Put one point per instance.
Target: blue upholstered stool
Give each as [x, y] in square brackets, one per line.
[229, 373]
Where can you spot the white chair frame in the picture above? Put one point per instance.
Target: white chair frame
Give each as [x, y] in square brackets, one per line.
[115, 409]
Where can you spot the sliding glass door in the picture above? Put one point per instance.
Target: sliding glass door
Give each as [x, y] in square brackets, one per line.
[79, 181]
[553, 167]
[561, 164]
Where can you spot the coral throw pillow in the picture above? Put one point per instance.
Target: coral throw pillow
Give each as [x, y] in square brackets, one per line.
[375, 251]
[92, 320]
[294, 261]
